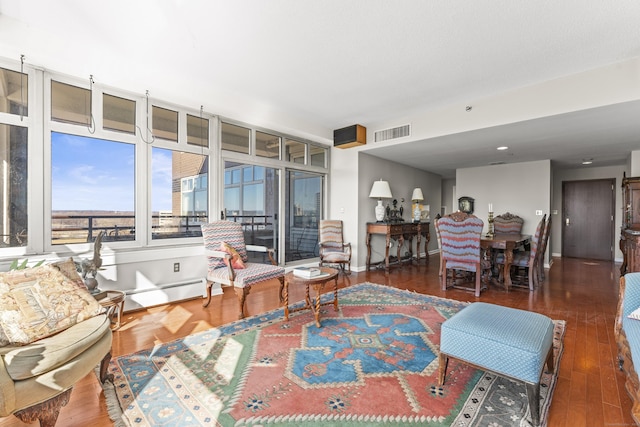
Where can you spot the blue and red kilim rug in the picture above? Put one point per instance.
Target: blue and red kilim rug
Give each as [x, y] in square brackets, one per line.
[374, 362]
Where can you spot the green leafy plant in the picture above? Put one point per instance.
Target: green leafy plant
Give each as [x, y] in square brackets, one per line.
[17, 265]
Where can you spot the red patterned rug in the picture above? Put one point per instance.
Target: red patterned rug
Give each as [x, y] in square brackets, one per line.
[374, 362]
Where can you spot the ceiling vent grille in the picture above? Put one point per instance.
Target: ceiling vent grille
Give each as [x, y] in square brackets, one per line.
[392, 133]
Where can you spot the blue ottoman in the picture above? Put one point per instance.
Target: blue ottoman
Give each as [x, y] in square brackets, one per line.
[510, 342]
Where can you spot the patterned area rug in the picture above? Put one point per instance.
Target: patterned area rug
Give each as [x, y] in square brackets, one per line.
[374, 362]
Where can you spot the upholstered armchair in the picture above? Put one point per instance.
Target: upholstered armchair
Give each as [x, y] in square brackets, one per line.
[48, 342]
[228, 265]
[525, 261]
[460, 251]
[333, 249]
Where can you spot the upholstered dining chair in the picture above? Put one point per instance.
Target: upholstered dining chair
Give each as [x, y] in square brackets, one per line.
[543, 248]
[525, 261]
[460, 234]
[507, 223]
[228, 264]
[333, 249]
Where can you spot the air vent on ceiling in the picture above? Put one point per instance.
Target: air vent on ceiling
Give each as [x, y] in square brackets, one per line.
[392, 133]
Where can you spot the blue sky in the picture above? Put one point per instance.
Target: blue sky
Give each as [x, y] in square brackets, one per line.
[92, 174]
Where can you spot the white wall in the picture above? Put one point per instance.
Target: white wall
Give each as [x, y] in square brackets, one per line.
[519, 188]
[580, 174]
[402, 180]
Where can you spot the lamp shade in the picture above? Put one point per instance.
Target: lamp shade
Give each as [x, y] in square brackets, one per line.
[417, 195]
[380, 190]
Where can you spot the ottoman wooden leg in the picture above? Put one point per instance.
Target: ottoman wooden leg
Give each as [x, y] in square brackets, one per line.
[533, 395]
[550, 367]
[443, 360]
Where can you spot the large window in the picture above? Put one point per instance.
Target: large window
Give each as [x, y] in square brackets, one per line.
[89, 159]
[13, 186]
[14, 95]
[88, 193]
[179, 193]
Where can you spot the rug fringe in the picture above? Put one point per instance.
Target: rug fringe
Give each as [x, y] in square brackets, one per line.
[113, 405]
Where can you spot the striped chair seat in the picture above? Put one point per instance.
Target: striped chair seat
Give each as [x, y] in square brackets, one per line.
[255, 273]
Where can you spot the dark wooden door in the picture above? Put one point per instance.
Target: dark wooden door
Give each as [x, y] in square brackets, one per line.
[588, 219]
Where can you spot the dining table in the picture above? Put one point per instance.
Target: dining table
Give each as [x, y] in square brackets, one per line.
[506, 242]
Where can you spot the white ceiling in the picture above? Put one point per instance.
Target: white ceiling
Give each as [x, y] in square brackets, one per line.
[332, 63]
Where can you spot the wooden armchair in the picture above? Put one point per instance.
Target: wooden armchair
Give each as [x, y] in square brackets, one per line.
[526, 261]
[228, 261]
[460, 234]
[333, 249]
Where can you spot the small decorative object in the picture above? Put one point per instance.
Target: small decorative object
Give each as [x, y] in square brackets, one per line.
[90, 267]
[417, 197]
[490, 233]
[395, 214]
[424, 214]
[465, 204]
[380, 190]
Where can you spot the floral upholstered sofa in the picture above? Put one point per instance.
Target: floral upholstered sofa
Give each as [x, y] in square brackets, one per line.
[52, 334]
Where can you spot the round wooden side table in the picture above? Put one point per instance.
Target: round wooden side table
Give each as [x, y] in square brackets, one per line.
[114, 303]
[317, 283]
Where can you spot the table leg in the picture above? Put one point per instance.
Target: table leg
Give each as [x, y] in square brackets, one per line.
[508, 259]
[286, 300]
[368, 240]
[386, 252]
[335, 294]
[316, 309]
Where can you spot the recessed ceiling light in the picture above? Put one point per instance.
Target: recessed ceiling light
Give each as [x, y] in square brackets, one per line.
[587, 161]
[502, 148]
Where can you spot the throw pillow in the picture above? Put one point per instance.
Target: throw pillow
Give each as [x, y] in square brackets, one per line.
[42, 301]
[236, 261]
[635, 314]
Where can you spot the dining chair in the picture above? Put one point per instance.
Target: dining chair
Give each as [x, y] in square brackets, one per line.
[460, 251]
[507, 223]
[228, 263]
[543, 248]
[525, 263]
[333, 249]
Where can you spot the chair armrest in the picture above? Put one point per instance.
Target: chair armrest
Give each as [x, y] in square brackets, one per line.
[217, 254]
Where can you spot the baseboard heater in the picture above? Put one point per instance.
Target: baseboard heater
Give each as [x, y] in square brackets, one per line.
[166, 286]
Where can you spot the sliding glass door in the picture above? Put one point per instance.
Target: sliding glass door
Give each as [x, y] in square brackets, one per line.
[251, 197]
[304, 210]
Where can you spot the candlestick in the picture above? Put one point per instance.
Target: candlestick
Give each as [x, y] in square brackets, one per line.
[490, 232]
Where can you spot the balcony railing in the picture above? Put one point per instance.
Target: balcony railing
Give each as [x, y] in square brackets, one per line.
[68, 229]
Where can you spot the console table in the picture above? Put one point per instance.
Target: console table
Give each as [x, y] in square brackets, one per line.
[399, 231]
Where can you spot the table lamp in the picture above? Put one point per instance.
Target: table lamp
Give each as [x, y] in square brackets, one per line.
[417, 197]
[380, 190]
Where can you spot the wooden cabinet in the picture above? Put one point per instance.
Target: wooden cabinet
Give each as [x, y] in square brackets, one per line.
[630, 233]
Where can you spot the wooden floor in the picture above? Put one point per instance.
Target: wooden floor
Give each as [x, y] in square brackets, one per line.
[590, 390]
